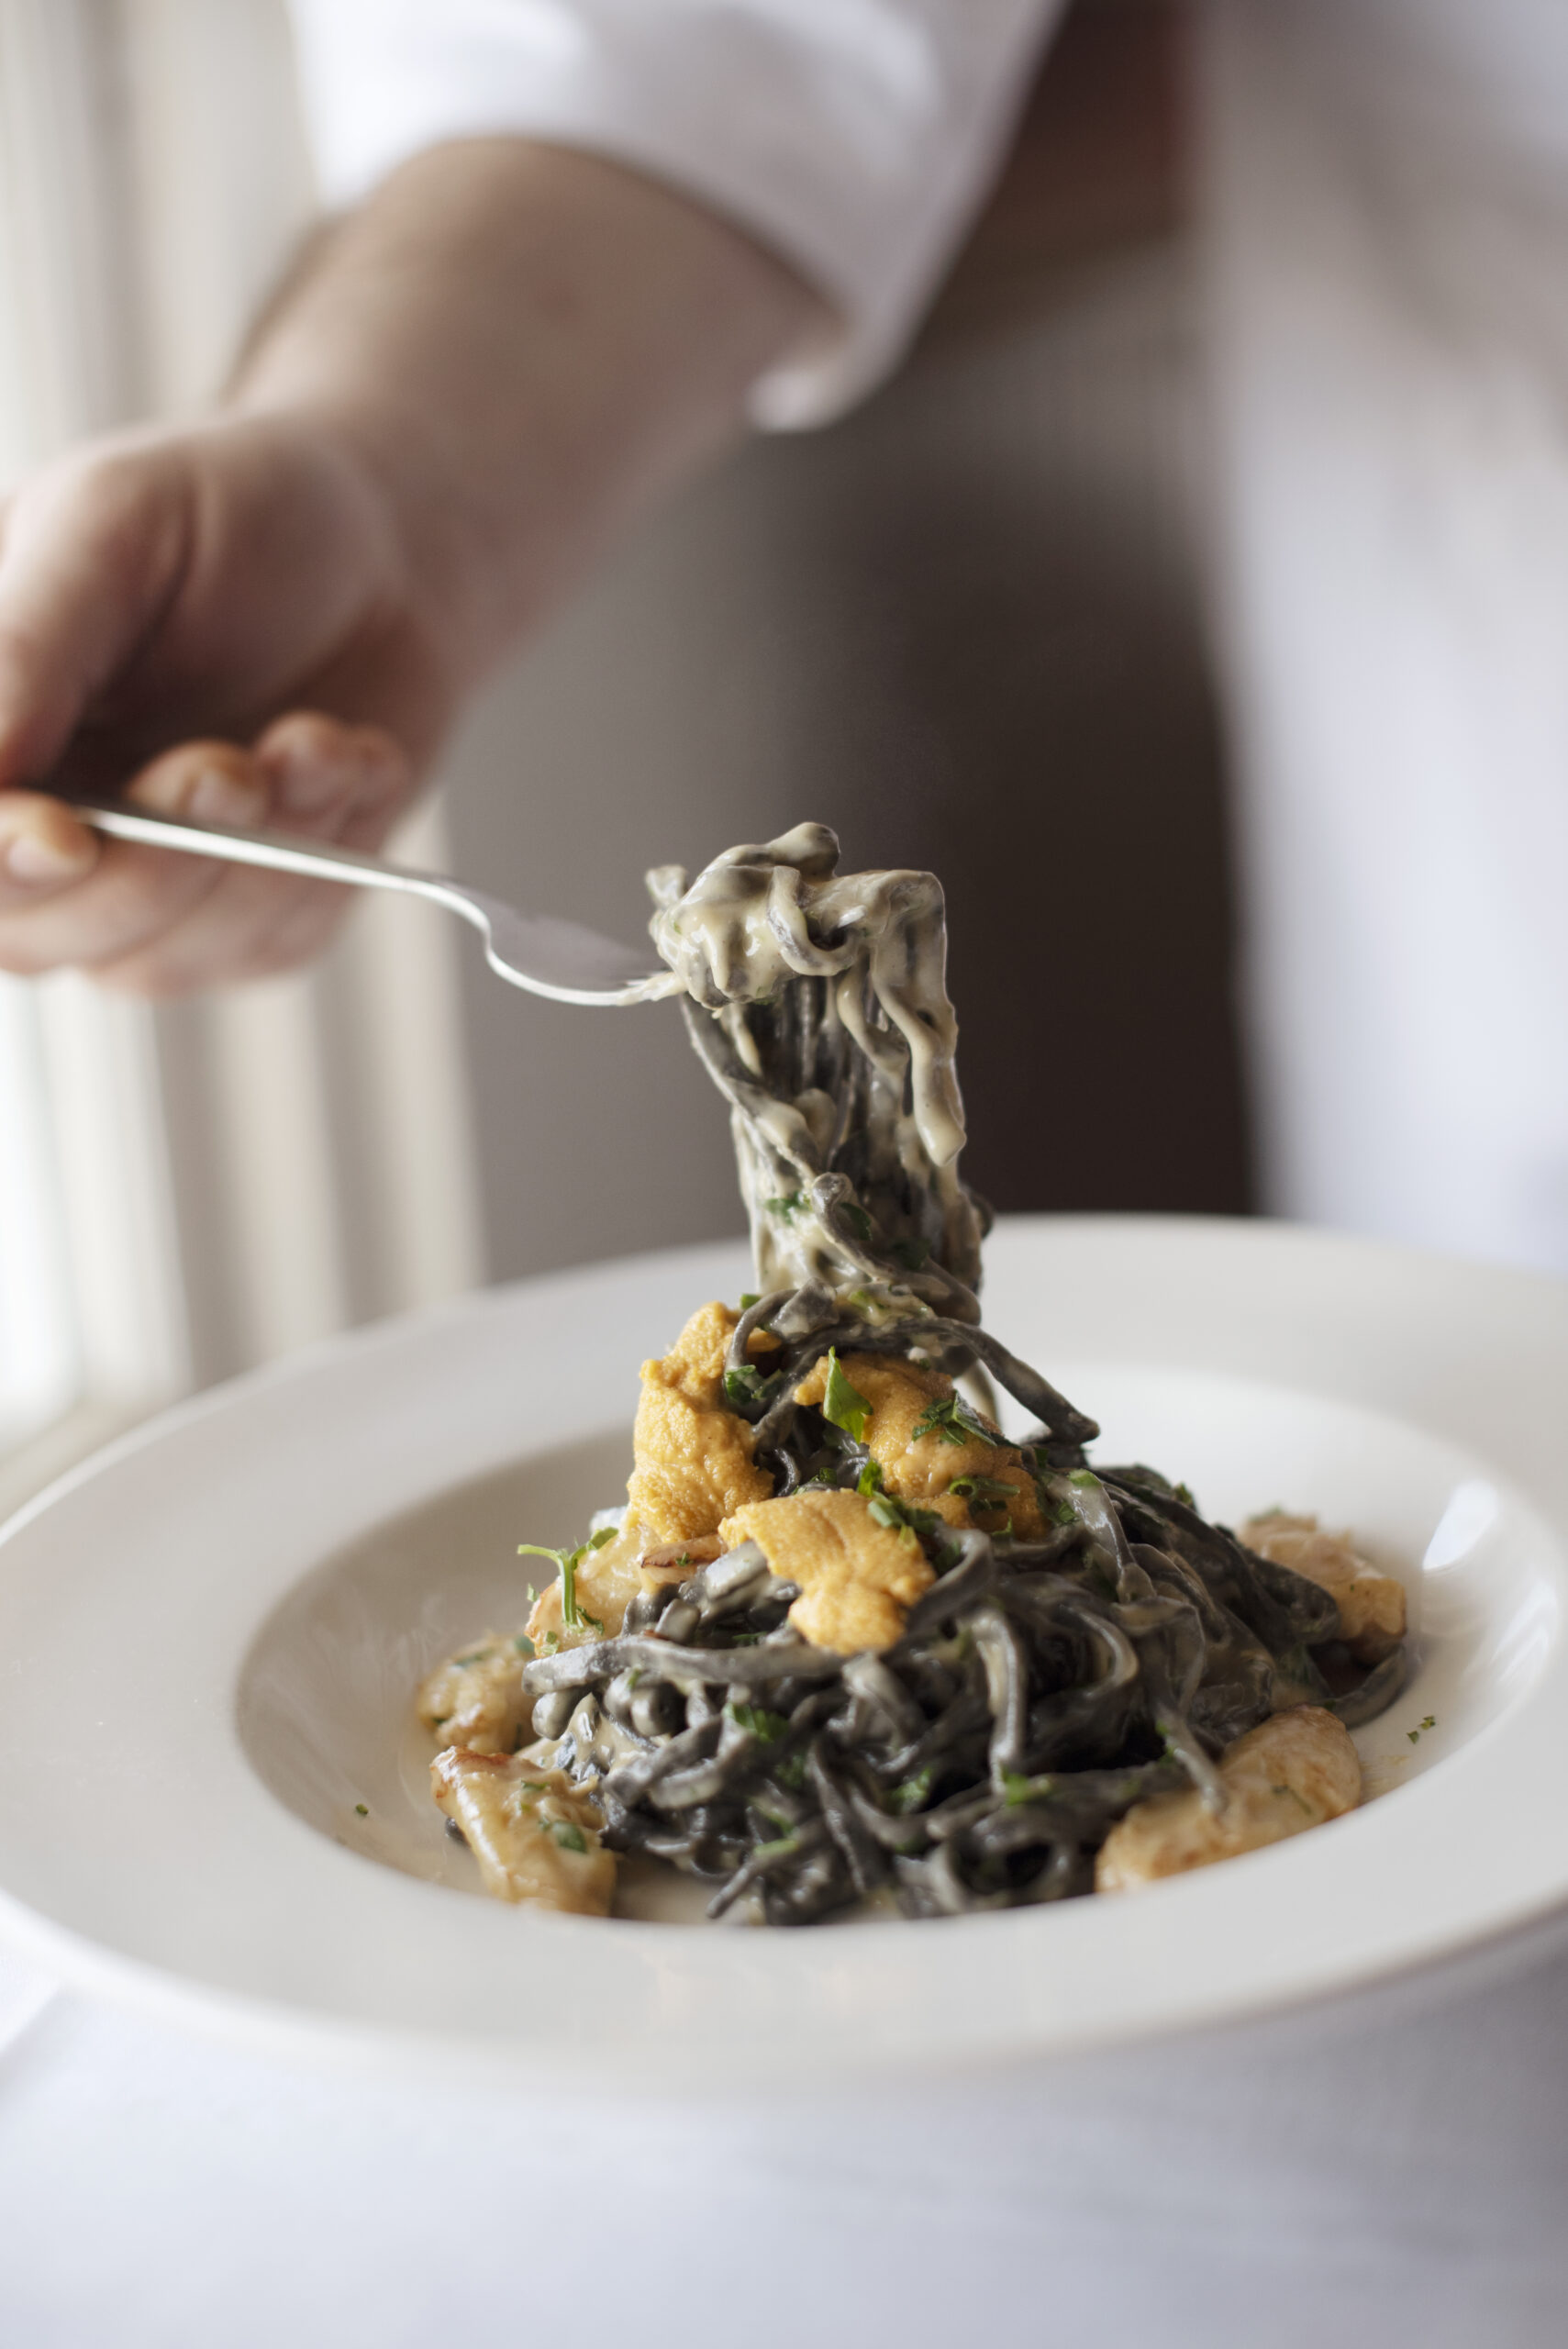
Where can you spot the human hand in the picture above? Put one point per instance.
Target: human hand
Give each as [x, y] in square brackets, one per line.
[504, 354]
[184, 589]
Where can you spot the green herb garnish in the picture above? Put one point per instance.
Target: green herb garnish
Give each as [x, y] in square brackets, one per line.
[860, 1223]
[791, 1772]
[569, 1837]
[786, 1207]
[364, 1809]
[748, 1297]
[1018, 1788]
[749, 1385]
[903, 1518]
[989, 1491]
[569, 1561]
[913, 1254]
[950, 1417]
[870, 1481]
[757, 1721]
[523, 1644]
[910, 1793]
[842, 1404]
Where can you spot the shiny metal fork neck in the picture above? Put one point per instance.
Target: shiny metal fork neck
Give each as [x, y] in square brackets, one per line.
[558, 960]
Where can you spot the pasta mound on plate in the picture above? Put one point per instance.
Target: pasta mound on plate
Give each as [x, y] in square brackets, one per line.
[848, 1640]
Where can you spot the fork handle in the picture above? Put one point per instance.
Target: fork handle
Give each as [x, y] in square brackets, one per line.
[317, 860]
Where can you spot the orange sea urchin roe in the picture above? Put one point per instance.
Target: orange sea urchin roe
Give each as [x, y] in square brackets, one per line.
[857, 1578]
[693, 1455]
[923, 1469]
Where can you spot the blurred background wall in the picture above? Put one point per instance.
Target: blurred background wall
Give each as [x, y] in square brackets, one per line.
[961, 626]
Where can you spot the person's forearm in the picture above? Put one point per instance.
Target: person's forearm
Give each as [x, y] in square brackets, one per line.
[464, 390]
[524, 344]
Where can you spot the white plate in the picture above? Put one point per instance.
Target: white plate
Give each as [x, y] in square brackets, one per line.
[208, 1639]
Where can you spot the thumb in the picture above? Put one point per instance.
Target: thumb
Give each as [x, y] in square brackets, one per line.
[92, 551]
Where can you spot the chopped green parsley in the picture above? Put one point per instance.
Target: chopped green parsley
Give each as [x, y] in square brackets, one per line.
[843, 1404]
[757, 1722]
[910, 1793]
[991, 1492]
[903, 1518]
[569, 1561]
[950, 1417]
[748, 1387]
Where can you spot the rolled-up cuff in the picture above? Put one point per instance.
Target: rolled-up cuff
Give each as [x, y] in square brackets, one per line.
[852, 138]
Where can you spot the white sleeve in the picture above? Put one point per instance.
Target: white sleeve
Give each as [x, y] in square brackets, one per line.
[854, 138]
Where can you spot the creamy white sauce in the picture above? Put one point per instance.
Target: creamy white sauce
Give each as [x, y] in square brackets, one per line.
[805, 973]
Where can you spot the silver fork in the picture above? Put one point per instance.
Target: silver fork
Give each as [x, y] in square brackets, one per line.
[558, 959]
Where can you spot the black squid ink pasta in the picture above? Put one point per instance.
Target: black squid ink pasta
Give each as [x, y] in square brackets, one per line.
[848, 1641]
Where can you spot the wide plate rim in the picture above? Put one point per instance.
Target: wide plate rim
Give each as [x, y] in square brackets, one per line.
[214, 2006]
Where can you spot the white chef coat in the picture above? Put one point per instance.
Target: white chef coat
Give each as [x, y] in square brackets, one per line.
[853, 136]
[1387, 223]
[1387, 220]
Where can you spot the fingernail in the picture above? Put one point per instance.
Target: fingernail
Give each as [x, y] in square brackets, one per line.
[219, 799]
[37, 863]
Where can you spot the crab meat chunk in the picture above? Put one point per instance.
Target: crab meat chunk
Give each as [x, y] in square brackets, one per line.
[535, 1836]
[1371, 1605]
[475, 1698]
[605, 1583]
[1291, 1773]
